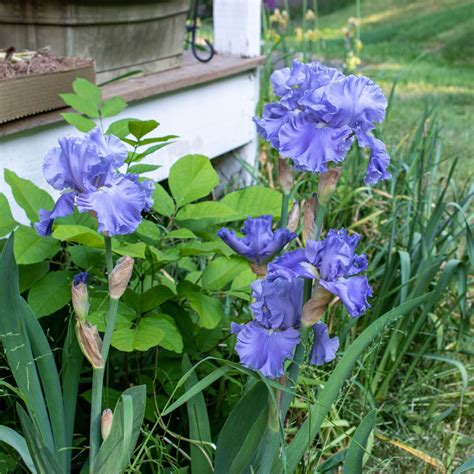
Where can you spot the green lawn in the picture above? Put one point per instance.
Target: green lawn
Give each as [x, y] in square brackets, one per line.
[428, 45]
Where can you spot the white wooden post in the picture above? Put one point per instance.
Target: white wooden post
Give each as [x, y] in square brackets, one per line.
[237, 26]
[237, 32]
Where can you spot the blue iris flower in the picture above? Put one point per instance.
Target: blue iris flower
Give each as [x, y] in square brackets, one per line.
[85, 169]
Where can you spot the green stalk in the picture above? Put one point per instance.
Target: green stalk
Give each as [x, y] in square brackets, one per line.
[98, 374]
[285, 199]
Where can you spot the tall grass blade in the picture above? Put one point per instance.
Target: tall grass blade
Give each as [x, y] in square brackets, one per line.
[308, 431]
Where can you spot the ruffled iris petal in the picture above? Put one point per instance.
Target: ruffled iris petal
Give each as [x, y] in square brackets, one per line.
[278, 303]
[107, 147]
[265, 349]
[353, 292]
[69, 165]
[118, 207]
[354, 101]
[324, 347]
[379, 158]
[291, 265]
[273, 118]
[63, 207]
[338, 255]
[312, 146]
[147, 186]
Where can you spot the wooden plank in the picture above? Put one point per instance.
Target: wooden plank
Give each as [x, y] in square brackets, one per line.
[191, 73]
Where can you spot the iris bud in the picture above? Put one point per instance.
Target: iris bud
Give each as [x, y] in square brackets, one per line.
[90, 343]
[314, 308]
[327, 184]
[106, 422]
[80, 297]
[120, 276]
[285, 175]
[294, 217]
[309, 228]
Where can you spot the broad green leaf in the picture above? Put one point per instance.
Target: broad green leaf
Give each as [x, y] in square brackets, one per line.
[18, 443]
[81, 104]
[151, 331]
[328, 395]
[196, 247]
[180, 234]
[7, 223]
[169, 255]
[154, 297]
[353, 463]
[143, 168]
[28, 196]
[222, 271]
[242, 432]
[32, 248]
[205, 214]
[86, 89]
[119, 128]
[162, 202]
[83, 124]
[149, 231]
[86, 257]
[136, 250]
[192, 177]
[115, 453]
[50, 294]
[114, 106]
[254, 201]
[209, 309]
[43, 458]
[243, 280]
[30, 274]
[140, 128]
[79, 234]
[199, 427]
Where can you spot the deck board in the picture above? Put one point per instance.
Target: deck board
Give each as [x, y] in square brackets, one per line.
[191, 73]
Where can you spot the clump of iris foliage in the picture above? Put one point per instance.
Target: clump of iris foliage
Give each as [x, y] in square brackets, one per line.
[189, 345]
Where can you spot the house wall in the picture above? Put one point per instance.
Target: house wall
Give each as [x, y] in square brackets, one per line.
[213, 119]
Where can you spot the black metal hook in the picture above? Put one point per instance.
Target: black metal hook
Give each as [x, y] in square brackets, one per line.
[193, 28]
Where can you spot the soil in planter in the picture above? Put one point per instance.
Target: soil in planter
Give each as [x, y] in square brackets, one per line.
[30, 63]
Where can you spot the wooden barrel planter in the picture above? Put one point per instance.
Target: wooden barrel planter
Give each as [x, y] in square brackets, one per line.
[120, 35]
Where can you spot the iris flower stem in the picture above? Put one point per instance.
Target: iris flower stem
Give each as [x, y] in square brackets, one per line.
[298, 356]
[98, 373]
[285, 199]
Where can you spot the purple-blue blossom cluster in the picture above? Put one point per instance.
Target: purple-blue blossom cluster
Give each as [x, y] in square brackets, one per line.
[85, 170]
[319, 114]
[267, 341]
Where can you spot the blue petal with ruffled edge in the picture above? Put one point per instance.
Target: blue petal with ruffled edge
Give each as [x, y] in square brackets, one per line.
[313, 145]
[353, 292]
[324, 347]
[63, 207]
[118, 207]
[278, 303]
[264, 349]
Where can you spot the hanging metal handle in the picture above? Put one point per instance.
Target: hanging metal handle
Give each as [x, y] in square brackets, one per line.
[193, 29]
